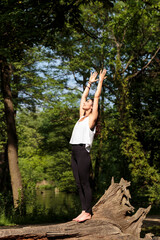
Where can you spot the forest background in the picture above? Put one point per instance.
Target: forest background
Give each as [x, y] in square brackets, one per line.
[48, 50]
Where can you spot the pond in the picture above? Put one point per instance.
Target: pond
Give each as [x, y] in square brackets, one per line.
[52, 206]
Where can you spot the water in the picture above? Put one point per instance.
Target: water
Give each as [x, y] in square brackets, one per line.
[53, 206]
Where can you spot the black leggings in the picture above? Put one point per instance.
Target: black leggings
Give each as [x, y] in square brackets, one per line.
[81, 164]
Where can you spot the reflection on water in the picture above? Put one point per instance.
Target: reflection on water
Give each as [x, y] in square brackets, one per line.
[54, 205]
[55, 200]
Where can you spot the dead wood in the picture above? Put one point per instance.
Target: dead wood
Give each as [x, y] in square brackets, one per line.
[112, 220]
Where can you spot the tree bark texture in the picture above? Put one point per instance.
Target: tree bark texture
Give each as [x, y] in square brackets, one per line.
[112, 220]
[11, 133]
[5, 184]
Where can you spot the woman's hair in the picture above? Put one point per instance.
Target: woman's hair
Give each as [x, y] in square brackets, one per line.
[98, 121]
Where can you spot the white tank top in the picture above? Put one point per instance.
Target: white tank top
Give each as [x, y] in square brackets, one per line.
[82, 134]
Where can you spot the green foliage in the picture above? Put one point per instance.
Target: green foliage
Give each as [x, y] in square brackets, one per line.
[127, 38]
[66, 182]
[25, 23]
[44, 147]
[121, 151]
[49, 82]
[145, 179]
[30, 162]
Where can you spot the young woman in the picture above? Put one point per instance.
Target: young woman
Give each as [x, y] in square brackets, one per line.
[81, 140]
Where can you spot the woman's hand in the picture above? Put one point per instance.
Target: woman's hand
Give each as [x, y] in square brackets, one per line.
[92, 78]
[102, 75]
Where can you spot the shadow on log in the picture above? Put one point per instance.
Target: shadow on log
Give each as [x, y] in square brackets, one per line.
[112, 220]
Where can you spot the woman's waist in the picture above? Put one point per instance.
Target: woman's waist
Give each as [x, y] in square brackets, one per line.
[79, 144]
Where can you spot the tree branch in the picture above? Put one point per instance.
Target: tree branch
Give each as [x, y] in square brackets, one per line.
[128, 63]
[110, 89]
[138, 72]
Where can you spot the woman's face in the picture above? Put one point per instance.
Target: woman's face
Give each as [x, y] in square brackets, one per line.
[88, 104]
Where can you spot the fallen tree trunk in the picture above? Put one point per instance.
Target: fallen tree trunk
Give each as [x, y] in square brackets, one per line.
[110, 221]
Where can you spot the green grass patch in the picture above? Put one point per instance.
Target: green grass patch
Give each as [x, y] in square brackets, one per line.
[5, 221]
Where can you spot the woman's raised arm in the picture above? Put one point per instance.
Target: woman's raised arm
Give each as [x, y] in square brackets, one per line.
[97, 95]
[86, 91]
[100, 83]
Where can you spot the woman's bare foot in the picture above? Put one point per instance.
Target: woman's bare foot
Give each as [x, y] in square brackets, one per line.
[85, 216]
[79, 216]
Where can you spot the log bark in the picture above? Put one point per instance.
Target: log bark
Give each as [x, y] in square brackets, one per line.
[112, 220]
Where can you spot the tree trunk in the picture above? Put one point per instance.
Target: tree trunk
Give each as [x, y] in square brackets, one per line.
[5, 184]
[111, 220]
[11, 134]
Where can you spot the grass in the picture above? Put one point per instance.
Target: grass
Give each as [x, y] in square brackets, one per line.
[4, 220]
